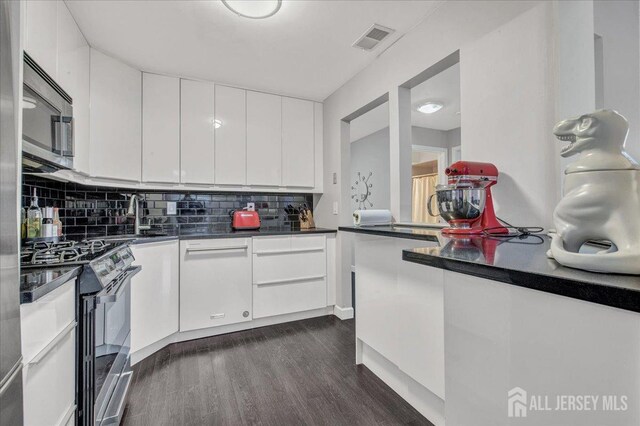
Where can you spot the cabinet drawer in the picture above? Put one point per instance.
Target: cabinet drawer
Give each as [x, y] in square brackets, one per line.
[41, 321]
[302, 242]
[288, 297]
[49, 384]
[271, 244]
[268, 268]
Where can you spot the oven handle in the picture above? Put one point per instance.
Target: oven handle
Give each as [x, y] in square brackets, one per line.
[114, 293]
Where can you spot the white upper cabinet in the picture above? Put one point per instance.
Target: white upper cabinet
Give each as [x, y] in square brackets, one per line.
[73, 75]
[298, 167]
[231, 136]
[264, 139]
[116, 119]
[160, 128]
[196, 132]
[41, 39]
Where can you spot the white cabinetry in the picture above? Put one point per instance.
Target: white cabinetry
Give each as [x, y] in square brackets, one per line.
[160, 128]
[48, 348]
[289, 274]
[264, 139]
[399, 307]
[41, 38]
[155, 293]
[231, 136]
[116, 120]
[196, 132]
[298, 165]
[73, 75]
[215, 282]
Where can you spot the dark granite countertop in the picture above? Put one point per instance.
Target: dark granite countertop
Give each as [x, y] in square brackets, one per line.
[35, 283]
[223, 232]
[523, 262]
[398, 231]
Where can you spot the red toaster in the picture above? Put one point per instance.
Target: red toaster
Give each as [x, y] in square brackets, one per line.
[244, 219]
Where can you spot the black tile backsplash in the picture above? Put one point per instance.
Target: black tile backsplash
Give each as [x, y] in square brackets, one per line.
[89, 211]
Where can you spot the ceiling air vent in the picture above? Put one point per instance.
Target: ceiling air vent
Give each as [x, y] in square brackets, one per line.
[372, 37]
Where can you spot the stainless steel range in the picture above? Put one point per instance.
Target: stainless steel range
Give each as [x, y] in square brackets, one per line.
[104, 311]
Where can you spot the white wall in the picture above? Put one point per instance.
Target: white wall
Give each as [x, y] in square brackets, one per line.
[371, 154]
[618, 23]
[438, 138]
[452, 26]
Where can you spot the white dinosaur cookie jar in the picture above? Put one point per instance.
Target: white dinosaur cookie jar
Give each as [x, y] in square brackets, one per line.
[601, 195]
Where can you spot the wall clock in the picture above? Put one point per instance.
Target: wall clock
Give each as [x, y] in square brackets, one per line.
[361, 191]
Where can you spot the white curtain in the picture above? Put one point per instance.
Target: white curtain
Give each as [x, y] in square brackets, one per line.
[423, 187]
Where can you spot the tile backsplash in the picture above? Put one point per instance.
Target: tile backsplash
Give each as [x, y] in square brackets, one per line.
[89, 211]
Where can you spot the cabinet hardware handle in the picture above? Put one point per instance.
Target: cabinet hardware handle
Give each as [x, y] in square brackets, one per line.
[290, 280]
[44, 351]
[217, 248]
[303, 250]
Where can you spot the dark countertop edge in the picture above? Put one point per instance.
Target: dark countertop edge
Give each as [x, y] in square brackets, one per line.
[601, 294]
[43, 290]
[387, 233]
[236, 234]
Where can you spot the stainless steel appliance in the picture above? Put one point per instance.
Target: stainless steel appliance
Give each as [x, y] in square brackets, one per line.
[10, 348]
[47, 121]
[104, 326]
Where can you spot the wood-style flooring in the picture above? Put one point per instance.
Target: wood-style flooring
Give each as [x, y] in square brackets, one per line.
[297, 373]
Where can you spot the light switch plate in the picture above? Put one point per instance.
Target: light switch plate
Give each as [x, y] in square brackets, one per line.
[335, 178]
[335, 207]
[171, 207]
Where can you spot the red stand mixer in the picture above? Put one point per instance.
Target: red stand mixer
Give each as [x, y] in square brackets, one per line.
[466, 202]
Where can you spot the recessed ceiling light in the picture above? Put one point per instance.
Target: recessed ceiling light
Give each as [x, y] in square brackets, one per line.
[430, 107]
[253, 9]
[217, 124]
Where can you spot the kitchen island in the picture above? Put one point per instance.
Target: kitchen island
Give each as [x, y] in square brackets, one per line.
[491, 322]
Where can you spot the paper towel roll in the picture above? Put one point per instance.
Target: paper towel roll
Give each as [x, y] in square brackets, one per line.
[371, 217]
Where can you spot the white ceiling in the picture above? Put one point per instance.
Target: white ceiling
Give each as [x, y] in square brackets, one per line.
[303, 51]
[443, 88]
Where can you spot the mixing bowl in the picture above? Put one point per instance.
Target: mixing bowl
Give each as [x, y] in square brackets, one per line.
[458, 205]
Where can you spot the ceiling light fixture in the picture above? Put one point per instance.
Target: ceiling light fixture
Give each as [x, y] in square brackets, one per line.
[430, 107]
[253, 9]
[217, 124]
[28, 102]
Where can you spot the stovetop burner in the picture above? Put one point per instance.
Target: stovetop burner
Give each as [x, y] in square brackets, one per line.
[63, 253]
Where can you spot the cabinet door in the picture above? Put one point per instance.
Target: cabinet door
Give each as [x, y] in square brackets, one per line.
[155, 292]
[73, 75]
[196, 132]
[298, 166]
[215, 282]
[231, 136]
[160, 128]
[264, 139]
[41, 38]
[116, 119]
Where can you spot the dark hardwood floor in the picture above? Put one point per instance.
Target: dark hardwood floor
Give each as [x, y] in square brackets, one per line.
[298, 373]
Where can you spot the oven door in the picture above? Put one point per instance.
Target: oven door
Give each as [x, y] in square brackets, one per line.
[112, 366]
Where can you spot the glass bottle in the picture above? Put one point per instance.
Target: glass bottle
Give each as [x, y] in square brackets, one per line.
[47, 223]
[57, 224]
[34, 218]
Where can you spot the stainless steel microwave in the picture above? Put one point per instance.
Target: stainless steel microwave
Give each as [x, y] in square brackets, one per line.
[47, 120]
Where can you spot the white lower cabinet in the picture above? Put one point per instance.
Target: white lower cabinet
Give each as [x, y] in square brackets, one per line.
[155, 293]
[215, 282]
[48, 328]
[289, 274]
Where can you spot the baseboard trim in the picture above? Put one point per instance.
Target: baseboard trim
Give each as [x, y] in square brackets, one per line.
[343, 313]
[183, 336]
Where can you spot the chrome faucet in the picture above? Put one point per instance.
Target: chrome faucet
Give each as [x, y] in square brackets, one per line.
[134, 211]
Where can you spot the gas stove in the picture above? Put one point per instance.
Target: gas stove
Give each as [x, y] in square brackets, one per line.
[66, 253]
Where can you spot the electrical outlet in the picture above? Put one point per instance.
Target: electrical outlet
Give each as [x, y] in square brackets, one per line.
[335, 207]
[171, 207]
[251, 207]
